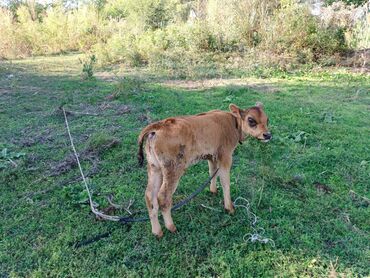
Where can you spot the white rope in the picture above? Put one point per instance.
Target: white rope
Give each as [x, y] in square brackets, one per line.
[257, 235]
[92, 205]
[247, 208]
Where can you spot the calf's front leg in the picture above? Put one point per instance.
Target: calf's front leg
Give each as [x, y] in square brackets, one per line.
[224, 174]
[212, 168]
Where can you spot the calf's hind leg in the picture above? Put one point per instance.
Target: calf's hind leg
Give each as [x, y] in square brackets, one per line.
[170, 180]
[151, 197]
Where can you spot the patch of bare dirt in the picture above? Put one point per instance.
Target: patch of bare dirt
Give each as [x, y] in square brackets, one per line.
[256, 85]
[28, 138]
[107, 76]
[105, 108]
[322, 188]
[70, 162]
[4, 91]
[91, 154]
[145, 117]
[357, 61]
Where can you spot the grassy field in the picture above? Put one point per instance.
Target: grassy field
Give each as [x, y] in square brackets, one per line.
[309, 186]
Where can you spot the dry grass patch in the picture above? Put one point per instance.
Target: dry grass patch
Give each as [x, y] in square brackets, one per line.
[249, 83]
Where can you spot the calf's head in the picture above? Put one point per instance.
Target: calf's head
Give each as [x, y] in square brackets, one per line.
[254, 121]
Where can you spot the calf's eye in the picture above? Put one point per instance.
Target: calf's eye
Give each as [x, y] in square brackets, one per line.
[252, 122]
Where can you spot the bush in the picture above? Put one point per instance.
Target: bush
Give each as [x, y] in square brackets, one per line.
[88, 67]
[58, 31]
[170, 33]
[296, 32]
[12, 43]
[352, 20]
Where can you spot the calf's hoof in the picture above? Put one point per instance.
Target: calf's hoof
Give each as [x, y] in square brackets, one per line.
[159, 234]
[230, 210]
[172, 228]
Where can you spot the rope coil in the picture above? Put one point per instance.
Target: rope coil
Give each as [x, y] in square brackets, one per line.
[255, 236]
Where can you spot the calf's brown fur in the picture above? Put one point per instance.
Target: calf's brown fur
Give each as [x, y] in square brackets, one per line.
[174, 144]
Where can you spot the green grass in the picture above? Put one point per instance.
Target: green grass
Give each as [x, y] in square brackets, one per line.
[320, 123]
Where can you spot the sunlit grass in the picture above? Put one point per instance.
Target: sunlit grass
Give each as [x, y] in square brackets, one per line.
[320, 124]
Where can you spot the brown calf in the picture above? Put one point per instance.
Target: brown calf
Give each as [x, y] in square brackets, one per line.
[174, 144]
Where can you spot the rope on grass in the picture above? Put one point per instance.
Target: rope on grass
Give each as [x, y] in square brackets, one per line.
[92, 204]
[258, 237]
[247, 208]
[257, 234]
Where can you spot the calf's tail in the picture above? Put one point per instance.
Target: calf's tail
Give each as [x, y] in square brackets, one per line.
[144, 133]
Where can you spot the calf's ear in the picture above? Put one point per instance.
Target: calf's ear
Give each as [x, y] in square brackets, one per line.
[259, 104]
[235, 110]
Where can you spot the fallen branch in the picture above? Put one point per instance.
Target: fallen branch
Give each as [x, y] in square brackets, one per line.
[94, 170]
[110, 201]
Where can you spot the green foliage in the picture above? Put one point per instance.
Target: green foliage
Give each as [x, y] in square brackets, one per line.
[116, 9]
[6, 158]
[75, 195]
[156, 32]
[59, 31]
[348, 2]
[232, 27]
[100, 142]
[358, 36]
[298, 33]
[145, 14]
[88, 67]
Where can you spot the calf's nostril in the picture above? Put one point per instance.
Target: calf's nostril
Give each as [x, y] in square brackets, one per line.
[267, 135]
